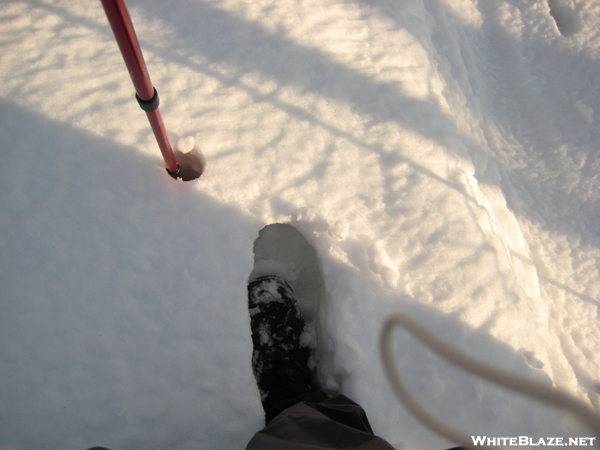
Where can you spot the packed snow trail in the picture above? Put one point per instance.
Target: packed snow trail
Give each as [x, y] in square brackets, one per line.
[440, 156]
[544, 162]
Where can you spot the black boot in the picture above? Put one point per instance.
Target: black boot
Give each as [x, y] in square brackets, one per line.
[279, 362]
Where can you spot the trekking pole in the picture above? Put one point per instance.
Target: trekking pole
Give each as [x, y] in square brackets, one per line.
[146, 94]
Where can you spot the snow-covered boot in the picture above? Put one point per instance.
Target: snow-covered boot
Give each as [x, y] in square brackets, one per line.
[279, 361]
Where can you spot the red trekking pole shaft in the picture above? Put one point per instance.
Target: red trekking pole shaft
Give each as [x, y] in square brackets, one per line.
[146, 94]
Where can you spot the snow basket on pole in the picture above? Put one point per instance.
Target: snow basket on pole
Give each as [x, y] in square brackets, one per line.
[192, 164]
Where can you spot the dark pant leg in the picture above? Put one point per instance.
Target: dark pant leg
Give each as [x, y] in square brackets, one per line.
[288, 396]
[336, 423]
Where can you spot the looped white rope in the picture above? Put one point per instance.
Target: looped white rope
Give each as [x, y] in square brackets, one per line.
[539, 391]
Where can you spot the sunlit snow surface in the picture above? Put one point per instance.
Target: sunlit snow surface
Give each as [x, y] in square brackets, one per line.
[441, 156]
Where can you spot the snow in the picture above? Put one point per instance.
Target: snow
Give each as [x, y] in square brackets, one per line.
[441, 157]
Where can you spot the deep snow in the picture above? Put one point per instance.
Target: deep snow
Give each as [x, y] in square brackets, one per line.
[441, 156]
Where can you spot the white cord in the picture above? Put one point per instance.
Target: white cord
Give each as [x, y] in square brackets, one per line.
[539, 391]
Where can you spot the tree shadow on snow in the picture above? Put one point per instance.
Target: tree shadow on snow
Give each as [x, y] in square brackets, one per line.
[121, 292]
[124, 258]
[247, 47]
[111, 333]
[548, 152]
[202, 31]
